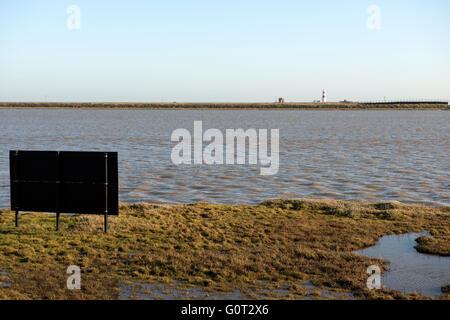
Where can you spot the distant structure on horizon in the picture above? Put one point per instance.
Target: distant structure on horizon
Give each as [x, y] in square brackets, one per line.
[324, 96]
[280, 100]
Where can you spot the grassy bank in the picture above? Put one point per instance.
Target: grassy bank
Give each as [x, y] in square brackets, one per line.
[446, 290]
[194, 105]
[220, 248]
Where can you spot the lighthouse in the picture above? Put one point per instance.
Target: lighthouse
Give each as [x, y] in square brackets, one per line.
[324, 96]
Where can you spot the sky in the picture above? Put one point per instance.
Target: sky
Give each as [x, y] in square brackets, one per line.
[224, 51]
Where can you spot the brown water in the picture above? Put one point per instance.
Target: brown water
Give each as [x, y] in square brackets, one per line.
[366, 155]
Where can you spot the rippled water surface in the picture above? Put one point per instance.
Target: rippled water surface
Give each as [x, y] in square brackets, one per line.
[409, 270]
[367, 155]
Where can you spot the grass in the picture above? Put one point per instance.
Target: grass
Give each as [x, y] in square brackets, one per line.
[244, 105]
[439, 245]
[446, 289]
[220, 248]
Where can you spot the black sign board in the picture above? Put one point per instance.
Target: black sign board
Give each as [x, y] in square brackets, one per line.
[64, 182]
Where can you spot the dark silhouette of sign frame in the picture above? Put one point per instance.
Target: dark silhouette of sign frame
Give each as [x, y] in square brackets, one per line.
[64, 182]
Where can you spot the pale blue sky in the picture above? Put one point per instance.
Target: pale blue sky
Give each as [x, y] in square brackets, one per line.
[175, 50]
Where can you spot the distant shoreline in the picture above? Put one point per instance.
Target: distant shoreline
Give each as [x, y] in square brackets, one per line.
[225, 106]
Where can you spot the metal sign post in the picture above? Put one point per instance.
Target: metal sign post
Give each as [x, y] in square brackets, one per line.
[14, 184]
[58, 187]
[106, 193]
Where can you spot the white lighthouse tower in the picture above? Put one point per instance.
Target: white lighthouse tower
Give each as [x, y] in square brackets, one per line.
[324, 96]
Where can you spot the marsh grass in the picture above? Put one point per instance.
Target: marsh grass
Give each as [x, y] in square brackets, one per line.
[446, 289]
[220, 248]
[439, 245]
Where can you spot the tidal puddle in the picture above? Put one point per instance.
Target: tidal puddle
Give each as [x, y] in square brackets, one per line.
[3, 277]
[410, 270]
[158, 291]
[176, 291]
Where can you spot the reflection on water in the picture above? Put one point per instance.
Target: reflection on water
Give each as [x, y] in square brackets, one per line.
[165, 292]
[367, 155]
[409, 270]
[176, 291]
[4, 276]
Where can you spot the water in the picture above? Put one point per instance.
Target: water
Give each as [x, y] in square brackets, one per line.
[165, 292]
[3, 277]
[152, 291]
[366, 155]
[409, 270]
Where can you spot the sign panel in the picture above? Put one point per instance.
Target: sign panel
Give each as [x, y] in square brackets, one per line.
[64, 182]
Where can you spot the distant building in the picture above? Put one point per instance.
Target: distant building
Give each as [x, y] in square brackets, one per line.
[324, 96]
[280, 100]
